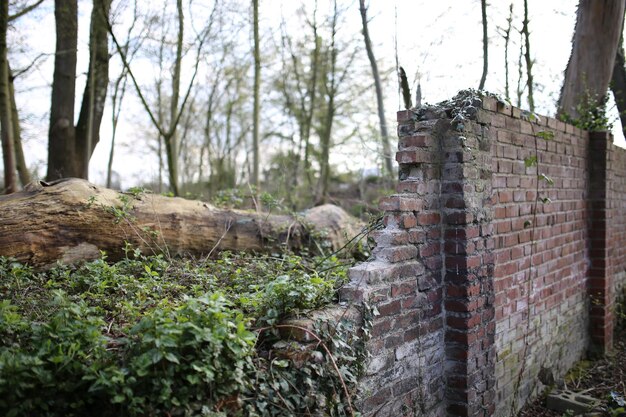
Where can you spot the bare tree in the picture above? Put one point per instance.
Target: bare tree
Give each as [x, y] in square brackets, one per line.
[177, 106]
[8, 152]
[69, 146]
[594, 48]
[506, 35]
[13, 118]
[119, 91]
[299, 85]
[62, 134]
[257, 87]
[20, 161]
[384, 135]
[483, 78]
[94, 96]
[528, 59]
[519, 91]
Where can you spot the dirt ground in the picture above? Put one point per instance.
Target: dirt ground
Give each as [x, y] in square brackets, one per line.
[598, 378]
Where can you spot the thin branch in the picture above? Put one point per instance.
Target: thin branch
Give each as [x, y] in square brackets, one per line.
[144, 102]
[24, 11]
[32, 64]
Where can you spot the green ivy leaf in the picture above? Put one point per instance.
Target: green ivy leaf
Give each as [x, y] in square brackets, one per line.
[545, 178]
[546, 134]
[530, 161]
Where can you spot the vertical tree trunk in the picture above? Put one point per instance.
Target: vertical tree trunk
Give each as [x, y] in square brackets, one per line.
[483, 78]
[325, 143]
[94, 95]
[257, 87]
[618, 83]
[116, 108]
[330, 86]
[594, 47]
[8, 152]
[384, 135]
[20, 161]
[171, 139]
[62, 134]
[529, 61]
[520, 73]
[507, 39]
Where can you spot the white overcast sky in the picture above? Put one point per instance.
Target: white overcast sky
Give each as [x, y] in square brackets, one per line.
[439, 41]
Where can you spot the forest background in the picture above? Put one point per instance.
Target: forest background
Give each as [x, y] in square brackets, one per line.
[193, 65]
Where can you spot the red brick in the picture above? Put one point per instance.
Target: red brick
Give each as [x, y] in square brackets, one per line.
[414, 157]
[425, 219]
[390, 309]
[409, 221]
[505, 196]
[415, 141]
[398, 253]
[400, 203]
[430, 249]
[461, 323]
[404, 116]
[404, 288]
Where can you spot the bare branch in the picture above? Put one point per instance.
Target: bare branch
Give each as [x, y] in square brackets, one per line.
[25, 10]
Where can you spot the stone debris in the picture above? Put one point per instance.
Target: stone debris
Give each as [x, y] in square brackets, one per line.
[581, 404]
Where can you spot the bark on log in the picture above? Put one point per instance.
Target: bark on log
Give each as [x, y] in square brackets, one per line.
[72, 220]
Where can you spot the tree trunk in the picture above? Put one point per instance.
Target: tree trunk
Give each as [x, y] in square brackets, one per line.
[20, 161]
[171, 139]
[62, 134]
[529, 61]
[507, 39]
[72, 220]
[483, 78]
[8, 151]
[379, 92]
[257, 87]
[326, 130]
[618, 83]
[94, 96]
[594, 46]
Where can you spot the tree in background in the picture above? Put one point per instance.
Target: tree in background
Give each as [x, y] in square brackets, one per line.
[483, 78]
[13, 118]
[618, 83]
[70, 147]
[528, 59]
[594, 47]
[384, 135]
[118, 88]
[506, 35]
[8, 152]
[168, 128]
[257, 87]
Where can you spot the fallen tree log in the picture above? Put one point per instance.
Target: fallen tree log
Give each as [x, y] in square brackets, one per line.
[72, 220]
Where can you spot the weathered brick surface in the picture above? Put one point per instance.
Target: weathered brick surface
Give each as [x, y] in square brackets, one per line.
[540, 250]
[403, 281]
[490, 266]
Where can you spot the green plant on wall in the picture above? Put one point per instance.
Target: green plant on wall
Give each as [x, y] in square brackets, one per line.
[530, 162]
[593, 116]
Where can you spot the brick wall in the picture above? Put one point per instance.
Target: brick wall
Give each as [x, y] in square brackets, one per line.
[404, 282]
[617, 224]
[501, 260]
[540, 231]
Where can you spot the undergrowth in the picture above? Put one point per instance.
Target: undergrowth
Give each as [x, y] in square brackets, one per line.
[148, 336]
